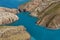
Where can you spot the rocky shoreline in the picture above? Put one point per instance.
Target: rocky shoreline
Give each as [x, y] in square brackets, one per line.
[8, 15]
[40, 9]
[13, 33]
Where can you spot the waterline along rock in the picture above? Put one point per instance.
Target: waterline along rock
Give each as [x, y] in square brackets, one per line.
[37, 6]
[14, 33]
[51, 18]
[30, 6]
[8, 15]
[45, 10]
[6, 18]
[11, 10]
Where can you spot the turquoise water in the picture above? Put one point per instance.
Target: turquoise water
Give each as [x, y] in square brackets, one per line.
[37, 32]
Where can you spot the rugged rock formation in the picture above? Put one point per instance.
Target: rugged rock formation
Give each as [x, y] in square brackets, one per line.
[51, 18]
[6, 18]
[46, 19]
[30, 6]
[37, 6]
[13, 33]
[43, 7]
[45, 10]
[11, 10]
[8, 15]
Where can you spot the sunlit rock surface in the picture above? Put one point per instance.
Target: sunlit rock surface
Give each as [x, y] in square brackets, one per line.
[6, 18]
[37, 6]
[43, 6]
[51, 18]
[30, 6]
[13, 33]
[11, 10]
[8, 15]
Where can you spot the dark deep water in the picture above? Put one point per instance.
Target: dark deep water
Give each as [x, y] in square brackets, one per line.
[37, 32]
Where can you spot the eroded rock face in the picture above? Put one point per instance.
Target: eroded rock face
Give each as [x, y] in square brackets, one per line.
[13, 33]
[46, 19]
[11, 10]
[44, 6]
[6, 18]
[51, 18]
